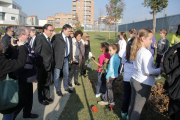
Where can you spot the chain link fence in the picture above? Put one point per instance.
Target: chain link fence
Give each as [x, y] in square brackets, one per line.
[99, 27]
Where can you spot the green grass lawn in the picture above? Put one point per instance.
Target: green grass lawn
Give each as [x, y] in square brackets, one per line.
[79, 104]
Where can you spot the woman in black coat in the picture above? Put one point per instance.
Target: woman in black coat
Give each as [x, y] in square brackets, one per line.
[87, 50]
[7, 66]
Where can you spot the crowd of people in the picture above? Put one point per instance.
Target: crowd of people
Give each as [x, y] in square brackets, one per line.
[44, 58]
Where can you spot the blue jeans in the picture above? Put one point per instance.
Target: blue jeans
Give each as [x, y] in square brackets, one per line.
[101, 79]
[127, 97]
[8, 116]
[65, 75]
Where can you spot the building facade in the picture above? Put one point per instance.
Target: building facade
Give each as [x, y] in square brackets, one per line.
[85, 11]
[42, 22]
[32, 20]
[11, 14]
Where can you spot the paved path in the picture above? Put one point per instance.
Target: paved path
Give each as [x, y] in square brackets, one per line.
[51, 111]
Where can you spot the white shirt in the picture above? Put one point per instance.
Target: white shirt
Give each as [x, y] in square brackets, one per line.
[143, 65]
[67, 43]
[32, 41]
[122, 44]
[129, 39]
[128, 68]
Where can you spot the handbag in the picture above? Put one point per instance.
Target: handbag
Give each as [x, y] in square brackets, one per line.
[9, 97]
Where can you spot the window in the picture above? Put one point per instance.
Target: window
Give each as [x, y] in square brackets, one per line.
[64, 19]
[79, 16]
[2, 14]
[78, 7]
[78, 11]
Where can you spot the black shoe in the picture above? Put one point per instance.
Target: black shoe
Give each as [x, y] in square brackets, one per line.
[78, 84]
[59, 93]
[69, 90]
[70, 84]
[49, 100]
[44, 102]
[31, 116]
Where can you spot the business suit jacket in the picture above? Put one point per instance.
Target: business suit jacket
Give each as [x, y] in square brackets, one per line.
[34, 43]
[27, 74]
[8, 66]
[59, 48]
[7, 47]
[45, 58]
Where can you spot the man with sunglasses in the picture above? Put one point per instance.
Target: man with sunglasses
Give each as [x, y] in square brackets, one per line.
[8, 49]
[44, 64]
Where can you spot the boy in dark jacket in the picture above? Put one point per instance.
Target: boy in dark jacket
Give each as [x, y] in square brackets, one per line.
[162, 47]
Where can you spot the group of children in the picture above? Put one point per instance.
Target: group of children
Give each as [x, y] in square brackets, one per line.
[135, 58]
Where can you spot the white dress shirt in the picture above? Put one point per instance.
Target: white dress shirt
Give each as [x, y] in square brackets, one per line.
[67, 43]
[122, 44]
[32, 41]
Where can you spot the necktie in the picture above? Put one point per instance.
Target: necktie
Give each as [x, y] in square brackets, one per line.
[29, 50]
[66, 47]
[31, 43]
[49, 42]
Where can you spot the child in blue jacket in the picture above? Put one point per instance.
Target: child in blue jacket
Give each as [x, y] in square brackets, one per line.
[112, 74]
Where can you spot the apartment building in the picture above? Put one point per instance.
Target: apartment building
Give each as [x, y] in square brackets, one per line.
[60, 19]
[11, 14]
[32, 20]
[85, 11]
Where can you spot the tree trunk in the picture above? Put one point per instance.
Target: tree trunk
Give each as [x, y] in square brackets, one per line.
[116, 23]
[154, 21]
[109, 31]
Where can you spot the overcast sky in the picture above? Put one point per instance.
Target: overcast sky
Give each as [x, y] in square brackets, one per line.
[134, 10]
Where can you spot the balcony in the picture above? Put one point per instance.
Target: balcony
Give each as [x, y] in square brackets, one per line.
[87, 13]
[74, 0]
[87, 9]
[74, 8]
[74, 14]
[74, 4]
[57, 21]
[87, 18]
[87, 4]
[88, 0]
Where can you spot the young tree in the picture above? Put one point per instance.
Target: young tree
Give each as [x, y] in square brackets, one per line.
[156, 6]
[117, 7]
[100, 17]
[76, 23]
[110, 16]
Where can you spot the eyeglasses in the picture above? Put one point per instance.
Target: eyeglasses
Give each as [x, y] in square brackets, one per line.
[87, 36]
[51, 30]
[12, 31]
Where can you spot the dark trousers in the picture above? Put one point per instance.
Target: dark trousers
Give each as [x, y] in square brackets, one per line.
[25, 99]
[109, 96]
[127, 97]
[74, 70]
[158, 60]
[83, 71]
[101, 79]
[44, 79]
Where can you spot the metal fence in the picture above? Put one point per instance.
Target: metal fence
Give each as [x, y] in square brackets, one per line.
[170, 23]
[99, 27]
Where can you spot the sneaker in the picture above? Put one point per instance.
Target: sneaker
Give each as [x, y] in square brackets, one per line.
[102, 103]
[98, 95]
[123, 115]
[112, 103]
[127, 117]
[103, 96]
[158, 77]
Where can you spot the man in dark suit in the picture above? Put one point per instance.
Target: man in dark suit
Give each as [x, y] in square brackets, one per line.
[26, 76]
[62, 47]
[31, 41]
[44, 64]
[6, 41]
